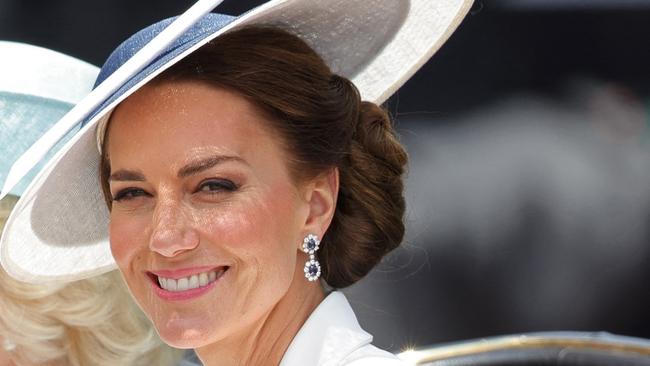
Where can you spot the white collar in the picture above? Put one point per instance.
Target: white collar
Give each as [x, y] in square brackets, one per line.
[330, 334]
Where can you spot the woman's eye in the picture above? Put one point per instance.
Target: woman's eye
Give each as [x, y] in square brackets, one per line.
[128, 194]
[217, 185]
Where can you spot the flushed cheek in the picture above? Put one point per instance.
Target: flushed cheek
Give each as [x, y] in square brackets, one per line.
[246, 238]
[263, 265]
[128, 241]
[254, 227]
[258, 234]
[121, 233]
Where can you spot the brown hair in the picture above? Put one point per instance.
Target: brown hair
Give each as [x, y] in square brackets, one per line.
[324, 124]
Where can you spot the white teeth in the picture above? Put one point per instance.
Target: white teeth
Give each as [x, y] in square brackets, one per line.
[203, 279]
[171, 284]
[182, 284]
[191, 282]
[194, 281]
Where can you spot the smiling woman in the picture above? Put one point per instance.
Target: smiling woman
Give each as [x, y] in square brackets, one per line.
[241, 212]
[246, 177]
[208, 183]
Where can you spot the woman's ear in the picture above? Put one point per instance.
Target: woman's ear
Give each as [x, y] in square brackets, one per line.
[321, 195]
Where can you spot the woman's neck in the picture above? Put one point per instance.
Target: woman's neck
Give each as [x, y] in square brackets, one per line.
[265, 342]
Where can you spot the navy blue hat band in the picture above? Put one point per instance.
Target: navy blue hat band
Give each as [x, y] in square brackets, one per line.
[208, 25]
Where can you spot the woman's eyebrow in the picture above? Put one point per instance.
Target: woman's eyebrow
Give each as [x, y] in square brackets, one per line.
[127, 175]
[204, 164]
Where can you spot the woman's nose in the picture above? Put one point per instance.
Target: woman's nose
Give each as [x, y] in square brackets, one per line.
[172, 232]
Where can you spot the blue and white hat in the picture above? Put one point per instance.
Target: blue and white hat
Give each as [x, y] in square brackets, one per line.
[59, 228]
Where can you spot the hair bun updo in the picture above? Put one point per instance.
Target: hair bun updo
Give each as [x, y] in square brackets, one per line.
[369, 218]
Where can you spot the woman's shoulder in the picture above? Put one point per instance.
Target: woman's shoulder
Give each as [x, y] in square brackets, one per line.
[370, 355]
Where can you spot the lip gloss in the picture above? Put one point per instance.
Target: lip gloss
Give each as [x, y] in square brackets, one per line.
[181, 273]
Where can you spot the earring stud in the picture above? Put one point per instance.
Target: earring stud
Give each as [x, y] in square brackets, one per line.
[312, 268]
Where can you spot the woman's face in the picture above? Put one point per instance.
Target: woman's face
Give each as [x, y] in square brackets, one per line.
[206, 224]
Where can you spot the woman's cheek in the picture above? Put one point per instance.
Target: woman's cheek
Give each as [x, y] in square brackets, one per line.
[126, 238]
[230, 229]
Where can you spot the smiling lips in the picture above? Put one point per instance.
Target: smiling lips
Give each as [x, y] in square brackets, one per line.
[183, 284]
[190, 282]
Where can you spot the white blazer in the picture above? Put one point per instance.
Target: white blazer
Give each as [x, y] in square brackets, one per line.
[332, 336]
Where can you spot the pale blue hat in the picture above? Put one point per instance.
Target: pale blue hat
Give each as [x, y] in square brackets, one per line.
[37, 87]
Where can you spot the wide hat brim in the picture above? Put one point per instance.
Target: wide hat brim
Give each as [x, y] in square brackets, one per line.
[59, 228]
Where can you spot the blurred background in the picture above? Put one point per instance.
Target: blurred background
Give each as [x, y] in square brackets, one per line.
[529, 186]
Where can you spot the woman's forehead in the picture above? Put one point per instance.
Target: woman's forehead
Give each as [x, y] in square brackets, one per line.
[185, 119]
[176, 109]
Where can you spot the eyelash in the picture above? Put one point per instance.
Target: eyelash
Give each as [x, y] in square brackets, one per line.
[221, 185]
[218, 185]
[129, 193]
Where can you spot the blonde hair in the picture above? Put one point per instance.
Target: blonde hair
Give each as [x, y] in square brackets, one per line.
[81, 323]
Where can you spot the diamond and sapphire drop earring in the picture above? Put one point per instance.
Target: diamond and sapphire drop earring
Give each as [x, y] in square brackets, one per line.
[312, 267]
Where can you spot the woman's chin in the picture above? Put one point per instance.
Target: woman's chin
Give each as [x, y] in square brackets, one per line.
[185, 330]
[184, 338]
